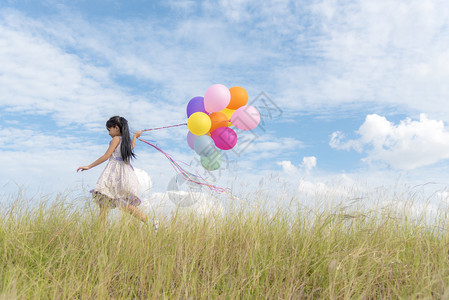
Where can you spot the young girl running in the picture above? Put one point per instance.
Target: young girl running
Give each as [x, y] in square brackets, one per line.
[118, 185]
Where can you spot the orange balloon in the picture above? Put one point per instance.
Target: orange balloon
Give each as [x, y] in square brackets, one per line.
[239, 97]
[218, 119]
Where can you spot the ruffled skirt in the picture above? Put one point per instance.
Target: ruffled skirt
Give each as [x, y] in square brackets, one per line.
[117, 186]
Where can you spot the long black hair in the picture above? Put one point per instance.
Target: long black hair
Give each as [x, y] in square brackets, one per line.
[125, 147]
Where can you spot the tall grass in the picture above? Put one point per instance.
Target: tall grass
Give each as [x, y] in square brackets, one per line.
[55, 250]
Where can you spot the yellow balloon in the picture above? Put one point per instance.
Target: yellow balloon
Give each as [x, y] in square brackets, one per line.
[228, 112]
[199, 123]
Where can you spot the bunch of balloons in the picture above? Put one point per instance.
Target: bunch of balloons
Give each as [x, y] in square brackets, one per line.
[210, 119]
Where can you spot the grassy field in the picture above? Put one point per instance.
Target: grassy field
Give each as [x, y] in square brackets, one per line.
[58, 251]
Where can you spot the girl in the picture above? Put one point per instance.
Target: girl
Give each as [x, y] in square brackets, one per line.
[118, 185]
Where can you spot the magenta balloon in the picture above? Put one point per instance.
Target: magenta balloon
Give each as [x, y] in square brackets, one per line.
[191, 139]
[246, 118]
[224, 137]
[216, 98]
[195, 104]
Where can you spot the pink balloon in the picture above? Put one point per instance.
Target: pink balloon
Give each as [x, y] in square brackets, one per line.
[224, 137]
[191, 139]
[246, 118]
[217, 97]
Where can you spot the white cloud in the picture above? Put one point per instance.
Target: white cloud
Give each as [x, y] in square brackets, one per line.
[406, 146]
[161, 205]
[314, 55]
[287, 166]
[254, 147]
[388, 53]
[321, 190]
[145, 182]
[40, 77]
[409, 208]
[35, 159]
[308, 163]
[12, 139]
[443, 196]
[374, 191]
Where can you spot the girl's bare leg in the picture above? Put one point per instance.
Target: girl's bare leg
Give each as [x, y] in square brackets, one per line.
[135, 212]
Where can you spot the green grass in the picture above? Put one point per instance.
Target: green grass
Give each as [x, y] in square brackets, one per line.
[58, 251]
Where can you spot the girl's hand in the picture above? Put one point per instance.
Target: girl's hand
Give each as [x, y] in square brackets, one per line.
[83, 168]
[138, 133]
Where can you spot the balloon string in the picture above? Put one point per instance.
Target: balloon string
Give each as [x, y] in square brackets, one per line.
[182, 124]
[187, 175]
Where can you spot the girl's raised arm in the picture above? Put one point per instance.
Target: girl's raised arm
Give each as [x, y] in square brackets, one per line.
[114, 143]
[136, 135]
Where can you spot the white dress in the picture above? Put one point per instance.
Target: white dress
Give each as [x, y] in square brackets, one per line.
[118, 185]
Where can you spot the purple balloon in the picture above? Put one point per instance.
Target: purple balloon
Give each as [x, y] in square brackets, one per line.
[224, 137]
[195, 104]
[191, 139]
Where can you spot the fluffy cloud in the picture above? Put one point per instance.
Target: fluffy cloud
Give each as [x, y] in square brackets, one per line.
[405, 146]
[308, 163]
[443, 196]
[387, 53]
[254, 146]
[67, 72]
[65, 88]
[287, 166]
[322, 190]
[72, 72]
[145, 182]
[161, 205]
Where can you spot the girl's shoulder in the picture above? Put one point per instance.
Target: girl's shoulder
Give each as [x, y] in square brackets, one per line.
[115, 140]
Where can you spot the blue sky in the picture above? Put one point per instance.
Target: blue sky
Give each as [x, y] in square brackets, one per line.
[362, 87]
